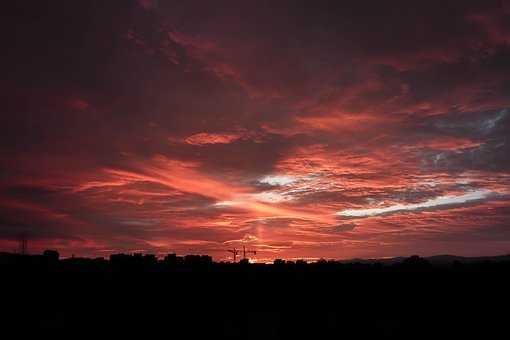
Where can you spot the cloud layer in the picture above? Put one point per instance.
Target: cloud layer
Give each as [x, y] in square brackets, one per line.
[334, 129]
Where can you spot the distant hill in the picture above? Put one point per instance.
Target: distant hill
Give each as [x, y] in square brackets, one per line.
[435, 260]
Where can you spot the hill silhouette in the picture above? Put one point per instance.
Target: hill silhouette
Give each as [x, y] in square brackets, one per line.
[194, 297]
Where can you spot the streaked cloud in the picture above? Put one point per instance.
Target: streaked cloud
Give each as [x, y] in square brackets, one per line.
[277, 180]
[438, 202]
[195, 125]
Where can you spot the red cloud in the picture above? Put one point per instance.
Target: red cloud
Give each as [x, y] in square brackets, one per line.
[275, 127]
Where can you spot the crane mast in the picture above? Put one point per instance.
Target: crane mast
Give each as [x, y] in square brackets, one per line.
[236, 252]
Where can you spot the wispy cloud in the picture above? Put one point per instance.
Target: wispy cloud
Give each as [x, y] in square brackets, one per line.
[438, 202]
[277, 180]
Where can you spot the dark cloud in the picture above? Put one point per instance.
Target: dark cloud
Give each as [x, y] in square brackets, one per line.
[343, 227]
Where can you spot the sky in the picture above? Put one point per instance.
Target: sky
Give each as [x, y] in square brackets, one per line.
[300, 129]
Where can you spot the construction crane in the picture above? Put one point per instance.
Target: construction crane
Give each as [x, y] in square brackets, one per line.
[254, 252]
[235, 252]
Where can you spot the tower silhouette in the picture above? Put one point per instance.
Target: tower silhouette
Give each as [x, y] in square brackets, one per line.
[235, 252]
[254, 252]
[23, 244]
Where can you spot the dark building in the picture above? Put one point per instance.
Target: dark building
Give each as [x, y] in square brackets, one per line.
[51, 255]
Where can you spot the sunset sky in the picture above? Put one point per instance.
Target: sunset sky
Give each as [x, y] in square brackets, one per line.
[301, 129]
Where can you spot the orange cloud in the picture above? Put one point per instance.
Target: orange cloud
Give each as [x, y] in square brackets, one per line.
[211, 138]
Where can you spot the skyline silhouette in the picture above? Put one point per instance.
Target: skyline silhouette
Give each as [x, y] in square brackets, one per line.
[192, 296]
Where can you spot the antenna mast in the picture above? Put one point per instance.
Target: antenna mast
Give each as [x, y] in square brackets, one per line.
[23, 244]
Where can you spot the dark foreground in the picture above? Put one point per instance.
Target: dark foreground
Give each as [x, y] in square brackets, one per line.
[198, 299]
